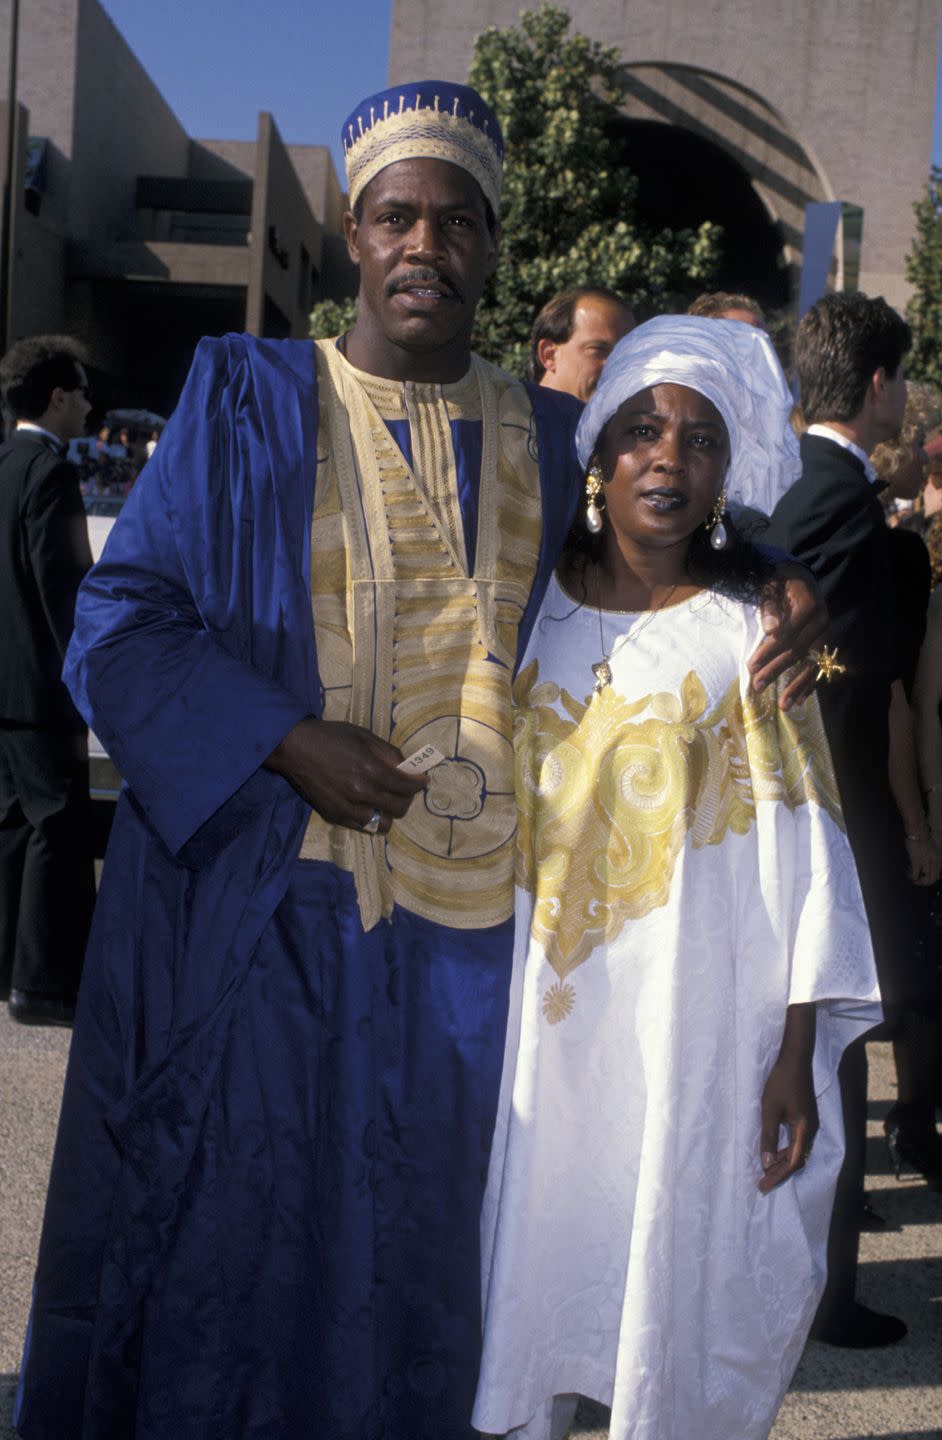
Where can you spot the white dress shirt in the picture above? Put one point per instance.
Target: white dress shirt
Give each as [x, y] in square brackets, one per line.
[827, 433]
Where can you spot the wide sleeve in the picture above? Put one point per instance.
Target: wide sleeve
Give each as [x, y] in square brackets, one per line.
[59, 553]
[808, 885]
[164, 662]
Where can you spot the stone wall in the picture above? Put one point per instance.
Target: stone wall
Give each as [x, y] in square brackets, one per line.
[286, 241]
[122, 128]
[824, 101]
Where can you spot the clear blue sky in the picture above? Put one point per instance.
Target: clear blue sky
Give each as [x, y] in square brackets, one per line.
[218, 62]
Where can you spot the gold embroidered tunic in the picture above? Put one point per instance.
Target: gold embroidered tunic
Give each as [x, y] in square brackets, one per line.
[414, 643]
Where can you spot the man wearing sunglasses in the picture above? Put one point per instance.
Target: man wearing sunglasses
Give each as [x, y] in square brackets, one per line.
[46, 867]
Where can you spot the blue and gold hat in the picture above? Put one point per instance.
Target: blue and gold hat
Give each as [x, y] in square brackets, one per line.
[431, 120]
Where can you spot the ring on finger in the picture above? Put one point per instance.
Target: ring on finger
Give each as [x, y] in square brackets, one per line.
[372, 825]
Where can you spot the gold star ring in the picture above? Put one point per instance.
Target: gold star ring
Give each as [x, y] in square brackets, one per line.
[828, 664]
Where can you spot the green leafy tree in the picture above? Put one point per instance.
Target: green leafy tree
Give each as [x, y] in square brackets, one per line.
[569, 205]
[924, 272]
[332, 317]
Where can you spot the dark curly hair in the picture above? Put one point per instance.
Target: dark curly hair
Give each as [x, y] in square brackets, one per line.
[32, 368]
[738, 571]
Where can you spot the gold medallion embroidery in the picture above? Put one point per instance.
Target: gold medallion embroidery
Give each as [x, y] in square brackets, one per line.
[558, 1002]
[609, 790]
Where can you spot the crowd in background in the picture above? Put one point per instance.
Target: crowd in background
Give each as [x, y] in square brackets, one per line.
[110, 462]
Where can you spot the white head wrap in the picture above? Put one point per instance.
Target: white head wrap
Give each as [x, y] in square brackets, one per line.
[732, 364]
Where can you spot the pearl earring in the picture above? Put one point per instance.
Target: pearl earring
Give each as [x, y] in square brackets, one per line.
[593, 489]
[716, 530]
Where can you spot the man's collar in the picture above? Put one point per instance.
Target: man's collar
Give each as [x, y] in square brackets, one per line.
[826, 433]
[38, 432]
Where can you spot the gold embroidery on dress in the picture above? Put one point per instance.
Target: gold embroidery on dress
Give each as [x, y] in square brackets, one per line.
[416, 649]
[609, 791]
[558, 1002]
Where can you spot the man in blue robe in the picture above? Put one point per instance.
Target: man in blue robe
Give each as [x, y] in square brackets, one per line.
[262, 1221]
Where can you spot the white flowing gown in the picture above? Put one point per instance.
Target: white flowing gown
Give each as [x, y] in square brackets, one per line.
[683, 876]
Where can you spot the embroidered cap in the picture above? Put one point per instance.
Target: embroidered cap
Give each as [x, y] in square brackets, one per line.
[431, 120]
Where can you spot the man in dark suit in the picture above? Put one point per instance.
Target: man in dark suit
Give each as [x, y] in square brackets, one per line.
[46, 868]
[849, 358]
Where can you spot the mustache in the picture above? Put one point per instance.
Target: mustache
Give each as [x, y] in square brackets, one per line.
[423, 277]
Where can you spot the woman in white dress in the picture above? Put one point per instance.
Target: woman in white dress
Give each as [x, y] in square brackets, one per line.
[692, 954]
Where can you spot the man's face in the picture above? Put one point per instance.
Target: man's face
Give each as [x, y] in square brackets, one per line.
[71, 410]
[424, 251]
[890, 403]
[576, 364]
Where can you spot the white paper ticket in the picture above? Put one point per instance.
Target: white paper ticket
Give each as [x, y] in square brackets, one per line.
[421, 760]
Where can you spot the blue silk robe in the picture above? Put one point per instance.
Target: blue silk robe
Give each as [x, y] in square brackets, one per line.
[263, 1214]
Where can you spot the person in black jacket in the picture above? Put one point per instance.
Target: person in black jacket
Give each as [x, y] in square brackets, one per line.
[47, 886]
[849, 355]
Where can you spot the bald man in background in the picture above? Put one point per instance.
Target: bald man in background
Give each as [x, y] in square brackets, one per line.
[726, 305]
[573, 336]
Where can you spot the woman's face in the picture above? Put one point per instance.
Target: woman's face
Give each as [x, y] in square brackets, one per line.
[663, 456]
[909, 479]
[932, 492]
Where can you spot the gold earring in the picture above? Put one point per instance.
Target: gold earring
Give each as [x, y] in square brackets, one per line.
[714, 522]
[593, 489]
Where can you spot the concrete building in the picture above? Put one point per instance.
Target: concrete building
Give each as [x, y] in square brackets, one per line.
[134, 236]
[743, 113]
[139, 238]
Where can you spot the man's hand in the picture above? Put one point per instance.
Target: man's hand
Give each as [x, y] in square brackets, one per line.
[345, 773]
[925, 859]
[795, 619]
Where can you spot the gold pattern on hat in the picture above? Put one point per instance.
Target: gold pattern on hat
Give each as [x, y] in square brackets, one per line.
[421, 134]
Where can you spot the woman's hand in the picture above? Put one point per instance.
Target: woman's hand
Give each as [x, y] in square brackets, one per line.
[788, 1101]
[795, 619]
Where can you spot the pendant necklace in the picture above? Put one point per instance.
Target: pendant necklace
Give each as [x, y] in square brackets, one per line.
[602, 669]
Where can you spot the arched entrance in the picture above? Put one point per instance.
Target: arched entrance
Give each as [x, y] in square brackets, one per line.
[683, 180]
[738, 162]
